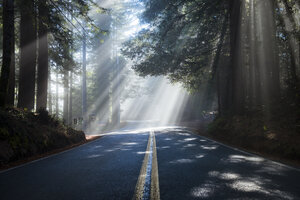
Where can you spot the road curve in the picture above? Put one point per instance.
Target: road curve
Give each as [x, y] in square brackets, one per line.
[187, 166]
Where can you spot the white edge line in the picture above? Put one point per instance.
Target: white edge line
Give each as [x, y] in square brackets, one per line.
[46, 157]
[245, 152]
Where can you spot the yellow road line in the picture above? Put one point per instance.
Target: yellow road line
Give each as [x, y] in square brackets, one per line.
[140, 186]
[154, 174]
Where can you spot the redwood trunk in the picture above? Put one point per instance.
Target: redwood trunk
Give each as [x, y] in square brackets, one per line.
[42, 79]
[66, 97]
[8, 50]
[235, 91]
[28, 50]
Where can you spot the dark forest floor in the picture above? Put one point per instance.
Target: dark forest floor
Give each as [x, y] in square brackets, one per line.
[26, 136]
[278, 139]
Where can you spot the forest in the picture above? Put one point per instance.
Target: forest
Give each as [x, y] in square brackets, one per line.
[229, 69]
[241, 56]
[149, 99]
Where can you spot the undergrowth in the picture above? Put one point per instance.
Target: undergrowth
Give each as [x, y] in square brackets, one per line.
[24, 134]
[276, 135]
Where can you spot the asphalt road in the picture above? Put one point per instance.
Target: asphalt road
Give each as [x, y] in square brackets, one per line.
[189, 167]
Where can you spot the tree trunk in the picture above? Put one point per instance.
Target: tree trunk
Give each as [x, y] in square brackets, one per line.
[56, 96]
[116, 87]
[66, 97]
[28, 49]
[12, 73]
[291, 38]
[223, 85]
[235, 85]
[49, 95]
[42, 78]
[274, 72]
[71, 100]
[8, 50]
[84, 104]
[289, 13]
[211, 85]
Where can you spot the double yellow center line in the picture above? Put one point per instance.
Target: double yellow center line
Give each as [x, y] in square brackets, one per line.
[147, 186]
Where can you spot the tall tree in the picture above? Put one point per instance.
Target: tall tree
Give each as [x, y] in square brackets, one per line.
[56, 95]
[28, 50]
[70, 116]
[50, 99]
[66, 96]
[183, 40]
[12, 79]
[236, 84]
[84, 92]
[8, 49]
[42, 78]
[293, 33]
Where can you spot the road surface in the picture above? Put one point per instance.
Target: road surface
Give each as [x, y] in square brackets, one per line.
[158, 163]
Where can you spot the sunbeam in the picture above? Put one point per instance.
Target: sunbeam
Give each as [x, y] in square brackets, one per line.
[162, 107]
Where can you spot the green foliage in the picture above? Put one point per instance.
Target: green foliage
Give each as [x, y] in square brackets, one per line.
[67, 21]
[180, 42]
